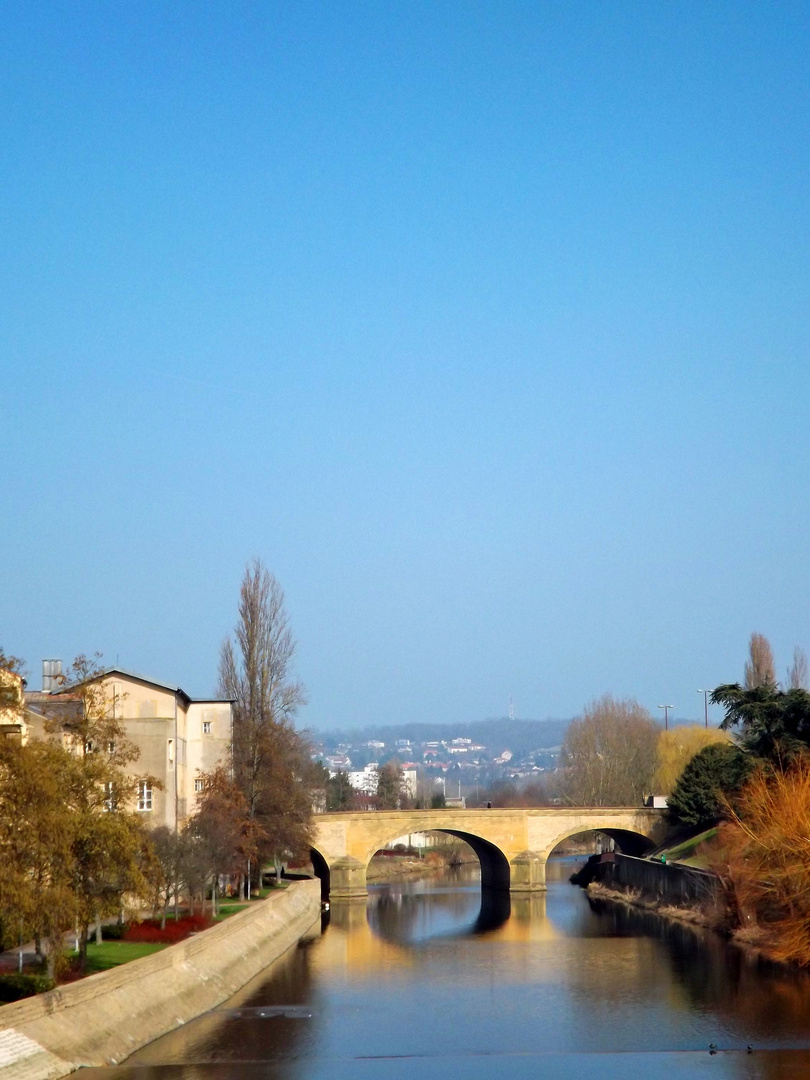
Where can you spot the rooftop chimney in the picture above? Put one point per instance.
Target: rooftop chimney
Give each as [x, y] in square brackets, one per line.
[51, 675]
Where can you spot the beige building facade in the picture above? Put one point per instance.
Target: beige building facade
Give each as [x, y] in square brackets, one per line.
[12, 713]
[179, 737]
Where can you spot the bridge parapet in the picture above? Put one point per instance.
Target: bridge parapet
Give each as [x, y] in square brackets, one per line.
[512, 844]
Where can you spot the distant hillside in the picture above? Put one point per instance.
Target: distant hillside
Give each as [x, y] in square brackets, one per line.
[519, 736]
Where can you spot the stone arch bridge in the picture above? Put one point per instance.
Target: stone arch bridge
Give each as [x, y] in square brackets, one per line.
[512, 845]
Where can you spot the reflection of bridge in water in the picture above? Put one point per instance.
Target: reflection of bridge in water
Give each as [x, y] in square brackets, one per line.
[362, 939]
[512, 845]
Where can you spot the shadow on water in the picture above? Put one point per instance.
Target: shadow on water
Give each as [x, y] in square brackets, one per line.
[428, 910]
[764, 997]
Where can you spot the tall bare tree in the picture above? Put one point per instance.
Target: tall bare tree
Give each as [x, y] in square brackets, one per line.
[270, 758]
[609, 753]
[798, 676]
[760, 669]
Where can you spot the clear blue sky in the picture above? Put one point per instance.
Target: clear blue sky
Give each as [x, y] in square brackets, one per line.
[484, 325]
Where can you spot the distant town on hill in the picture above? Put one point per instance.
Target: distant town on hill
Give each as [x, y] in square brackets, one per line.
[460, 757]
[519, 736]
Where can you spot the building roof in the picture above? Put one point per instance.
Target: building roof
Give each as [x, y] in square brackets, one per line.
[105, 673]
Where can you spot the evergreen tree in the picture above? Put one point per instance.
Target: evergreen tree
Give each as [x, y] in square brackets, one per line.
[773, 724]
[716, 772]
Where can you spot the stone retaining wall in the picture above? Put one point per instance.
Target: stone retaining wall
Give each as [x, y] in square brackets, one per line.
[104, 1018]
[671, 883]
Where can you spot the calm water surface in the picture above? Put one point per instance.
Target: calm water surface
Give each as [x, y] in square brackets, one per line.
[432, 980]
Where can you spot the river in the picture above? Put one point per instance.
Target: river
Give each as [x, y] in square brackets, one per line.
[431, 980]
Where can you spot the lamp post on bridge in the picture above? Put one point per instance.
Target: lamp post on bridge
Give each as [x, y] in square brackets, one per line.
[666, 709]
[705, 705]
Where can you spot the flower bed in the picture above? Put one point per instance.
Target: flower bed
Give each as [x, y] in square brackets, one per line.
[149, 930]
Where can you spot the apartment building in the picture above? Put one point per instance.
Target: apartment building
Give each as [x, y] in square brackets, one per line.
[178, 736]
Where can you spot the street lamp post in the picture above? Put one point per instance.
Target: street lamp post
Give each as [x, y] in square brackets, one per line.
[666, 709]
[705, 705]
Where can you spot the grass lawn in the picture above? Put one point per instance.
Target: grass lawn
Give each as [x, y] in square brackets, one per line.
[227, 909]
[689, 850]
[110, 954]
[231, 907]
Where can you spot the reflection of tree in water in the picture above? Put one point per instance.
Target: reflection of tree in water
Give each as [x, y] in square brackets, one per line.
[220, 1037]
[761, 999]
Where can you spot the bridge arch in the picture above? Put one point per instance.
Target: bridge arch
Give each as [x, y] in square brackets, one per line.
[494, 863]
[630, 841]
[322, 871]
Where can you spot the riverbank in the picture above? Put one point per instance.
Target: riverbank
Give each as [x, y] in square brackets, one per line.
[394, 868]
[751, 940]
[102, 1019]
[694, 914]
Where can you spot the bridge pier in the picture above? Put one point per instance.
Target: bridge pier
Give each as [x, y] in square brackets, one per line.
[527, 873]
[348, 879]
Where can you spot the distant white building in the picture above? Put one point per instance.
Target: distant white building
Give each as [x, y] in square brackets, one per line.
[409, 780]
[366, 780]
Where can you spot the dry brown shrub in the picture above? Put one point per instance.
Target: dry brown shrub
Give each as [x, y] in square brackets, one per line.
[766, 856]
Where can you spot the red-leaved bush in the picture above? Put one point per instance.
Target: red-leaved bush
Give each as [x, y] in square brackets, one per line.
[149, 930]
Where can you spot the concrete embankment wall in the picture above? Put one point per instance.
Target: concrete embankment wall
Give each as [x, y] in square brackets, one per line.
[104, 1018]
[671, 883]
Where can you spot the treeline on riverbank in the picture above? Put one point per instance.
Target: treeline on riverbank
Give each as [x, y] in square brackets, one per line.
[756, 789]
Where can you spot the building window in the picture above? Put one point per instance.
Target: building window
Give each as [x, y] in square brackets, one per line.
[171, 749]
[199, 785]
[144, 795]
[109, 796]
[111, 746]
[206, 727]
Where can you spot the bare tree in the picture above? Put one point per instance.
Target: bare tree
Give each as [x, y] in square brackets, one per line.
[798, 676]
[760, 669]
[270, 758]
[609, 753]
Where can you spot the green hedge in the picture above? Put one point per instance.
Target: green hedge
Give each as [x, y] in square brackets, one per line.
[14, 987]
